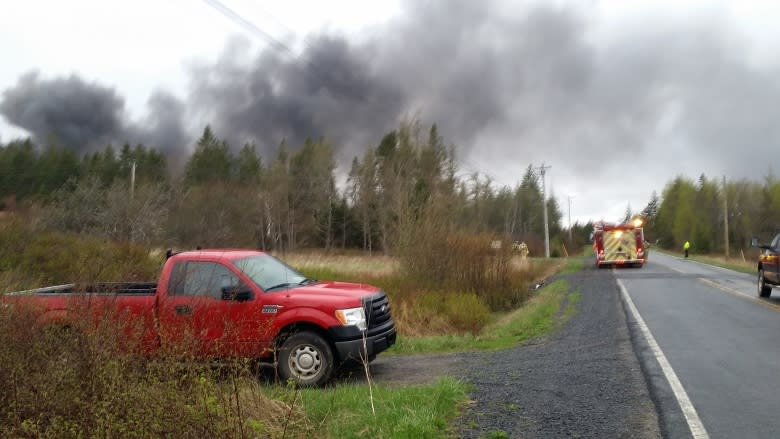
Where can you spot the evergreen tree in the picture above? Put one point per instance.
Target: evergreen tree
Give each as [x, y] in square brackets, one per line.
[650, 216]
[249, 165]
[18, 174]
[211, 161]
[56, 166]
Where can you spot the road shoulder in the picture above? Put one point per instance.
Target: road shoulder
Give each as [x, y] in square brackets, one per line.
[584, 381]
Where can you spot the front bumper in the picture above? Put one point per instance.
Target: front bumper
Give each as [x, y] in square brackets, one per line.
[348, 341]
[639, 261]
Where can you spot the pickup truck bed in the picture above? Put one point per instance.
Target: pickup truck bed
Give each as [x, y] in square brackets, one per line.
[120, 288]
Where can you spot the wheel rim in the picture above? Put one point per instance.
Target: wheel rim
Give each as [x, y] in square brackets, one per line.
[305, 361]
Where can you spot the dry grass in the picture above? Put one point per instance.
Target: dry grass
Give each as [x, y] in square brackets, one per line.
[91, 381]
[360, 265]
[87, 381]
[420, 307]
[743, 261]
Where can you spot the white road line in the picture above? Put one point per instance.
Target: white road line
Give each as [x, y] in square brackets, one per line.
[694, 423]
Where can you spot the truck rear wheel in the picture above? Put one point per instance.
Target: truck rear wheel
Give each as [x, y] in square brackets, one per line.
[764, 290]
[306, 358]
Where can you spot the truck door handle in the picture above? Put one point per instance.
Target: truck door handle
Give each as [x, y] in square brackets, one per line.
[183, 309]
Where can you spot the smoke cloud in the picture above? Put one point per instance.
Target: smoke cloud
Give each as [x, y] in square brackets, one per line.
[84, 116]
[68, 111]
[520, 83]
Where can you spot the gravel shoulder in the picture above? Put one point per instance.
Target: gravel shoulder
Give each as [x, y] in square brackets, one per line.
[583, 381]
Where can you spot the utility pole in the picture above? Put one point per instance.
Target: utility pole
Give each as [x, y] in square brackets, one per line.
[132, 180]
[725, 219]
[569, 197]
[543, 170]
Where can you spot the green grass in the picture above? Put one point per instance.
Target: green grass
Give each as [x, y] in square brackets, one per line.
[536, 318]
[736, 264]
[743, 267]
[571, 305]
[573, 265]
[421, 411]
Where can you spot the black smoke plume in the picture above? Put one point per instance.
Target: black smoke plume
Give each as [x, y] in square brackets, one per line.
[507, 81]
[68, 111]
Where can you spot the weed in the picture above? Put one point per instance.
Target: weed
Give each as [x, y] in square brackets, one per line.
[422, 307]
[497, 434]
[85, 384]
[571, 306]
[538, 317]
[573, 265]
[401, 412]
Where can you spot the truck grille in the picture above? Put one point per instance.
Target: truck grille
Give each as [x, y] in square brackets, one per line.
[378, 313]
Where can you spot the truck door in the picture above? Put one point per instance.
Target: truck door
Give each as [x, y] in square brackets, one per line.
[210, 310]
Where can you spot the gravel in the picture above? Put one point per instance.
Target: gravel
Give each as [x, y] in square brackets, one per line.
[583, 381]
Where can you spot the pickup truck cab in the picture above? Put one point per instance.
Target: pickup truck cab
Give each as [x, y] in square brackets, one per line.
[238, 303]
[768, 266]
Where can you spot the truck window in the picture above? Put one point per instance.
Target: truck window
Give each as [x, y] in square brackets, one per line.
[267, 271]
[775, 242]
[195, 278]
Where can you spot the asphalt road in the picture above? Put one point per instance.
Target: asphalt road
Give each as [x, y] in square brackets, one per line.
[711, 361]
[721, 341]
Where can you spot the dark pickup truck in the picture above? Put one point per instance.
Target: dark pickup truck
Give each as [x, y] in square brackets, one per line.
[768, 266]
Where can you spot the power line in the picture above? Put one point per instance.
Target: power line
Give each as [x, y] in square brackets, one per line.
[273, 17]
[309, 65]
[248, 25]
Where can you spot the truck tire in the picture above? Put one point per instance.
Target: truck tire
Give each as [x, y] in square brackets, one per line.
[306, 359]
[764, 290]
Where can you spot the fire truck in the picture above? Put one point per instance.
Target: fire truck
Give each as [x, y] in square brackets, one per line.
[619, 244]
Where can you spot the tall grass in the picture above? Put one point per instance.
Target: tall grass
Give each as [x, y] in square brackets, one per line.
[437, 255]
[423, 411]
[538, 317]
[85, 381]
[30, 258]
[88, 379]
[442, 280]
[423, 308]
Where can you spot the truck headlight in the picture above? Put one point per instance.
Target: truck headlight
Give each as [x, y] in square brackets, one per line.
[352, 316]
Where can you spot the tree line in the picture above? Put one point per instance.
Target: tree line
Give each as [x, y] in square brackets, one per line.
[294, 199]
[698, 211]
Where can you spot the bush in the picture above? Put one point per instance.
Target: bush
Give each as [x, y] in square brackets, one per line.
[83, 382]
[465, 311]
[440, 257]
[32, 258]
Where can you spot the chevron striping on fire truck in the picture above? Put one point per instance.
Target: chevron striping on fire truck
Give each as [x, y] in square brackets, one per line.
[619, 244]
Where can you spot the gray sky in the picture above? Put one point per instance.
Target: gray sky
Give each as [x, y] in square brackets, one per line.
[618, 97]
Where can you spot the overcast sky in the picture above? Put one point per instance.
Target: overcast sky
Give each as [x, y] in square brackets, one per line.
[617, 96]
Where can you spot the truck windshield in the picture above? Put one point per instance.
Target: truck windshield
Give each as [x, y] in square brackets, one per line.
[269, 273]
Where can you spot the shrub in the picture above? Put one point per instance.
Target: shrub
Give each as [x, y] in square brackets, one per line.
[32, 258]
[84, 382]
[465, 312]
[438, 256]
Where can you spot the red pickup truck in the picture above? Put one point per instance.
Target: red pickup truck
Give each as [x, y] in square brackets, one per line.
[236, 303]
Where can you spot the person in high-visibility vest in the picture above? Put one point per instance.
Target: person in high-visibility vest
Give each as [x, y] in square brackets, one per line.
[686, 246]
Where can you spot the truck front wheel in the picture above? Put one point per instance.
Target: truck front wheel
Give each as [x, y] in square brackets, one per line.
[306, 358]
[764, 290]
